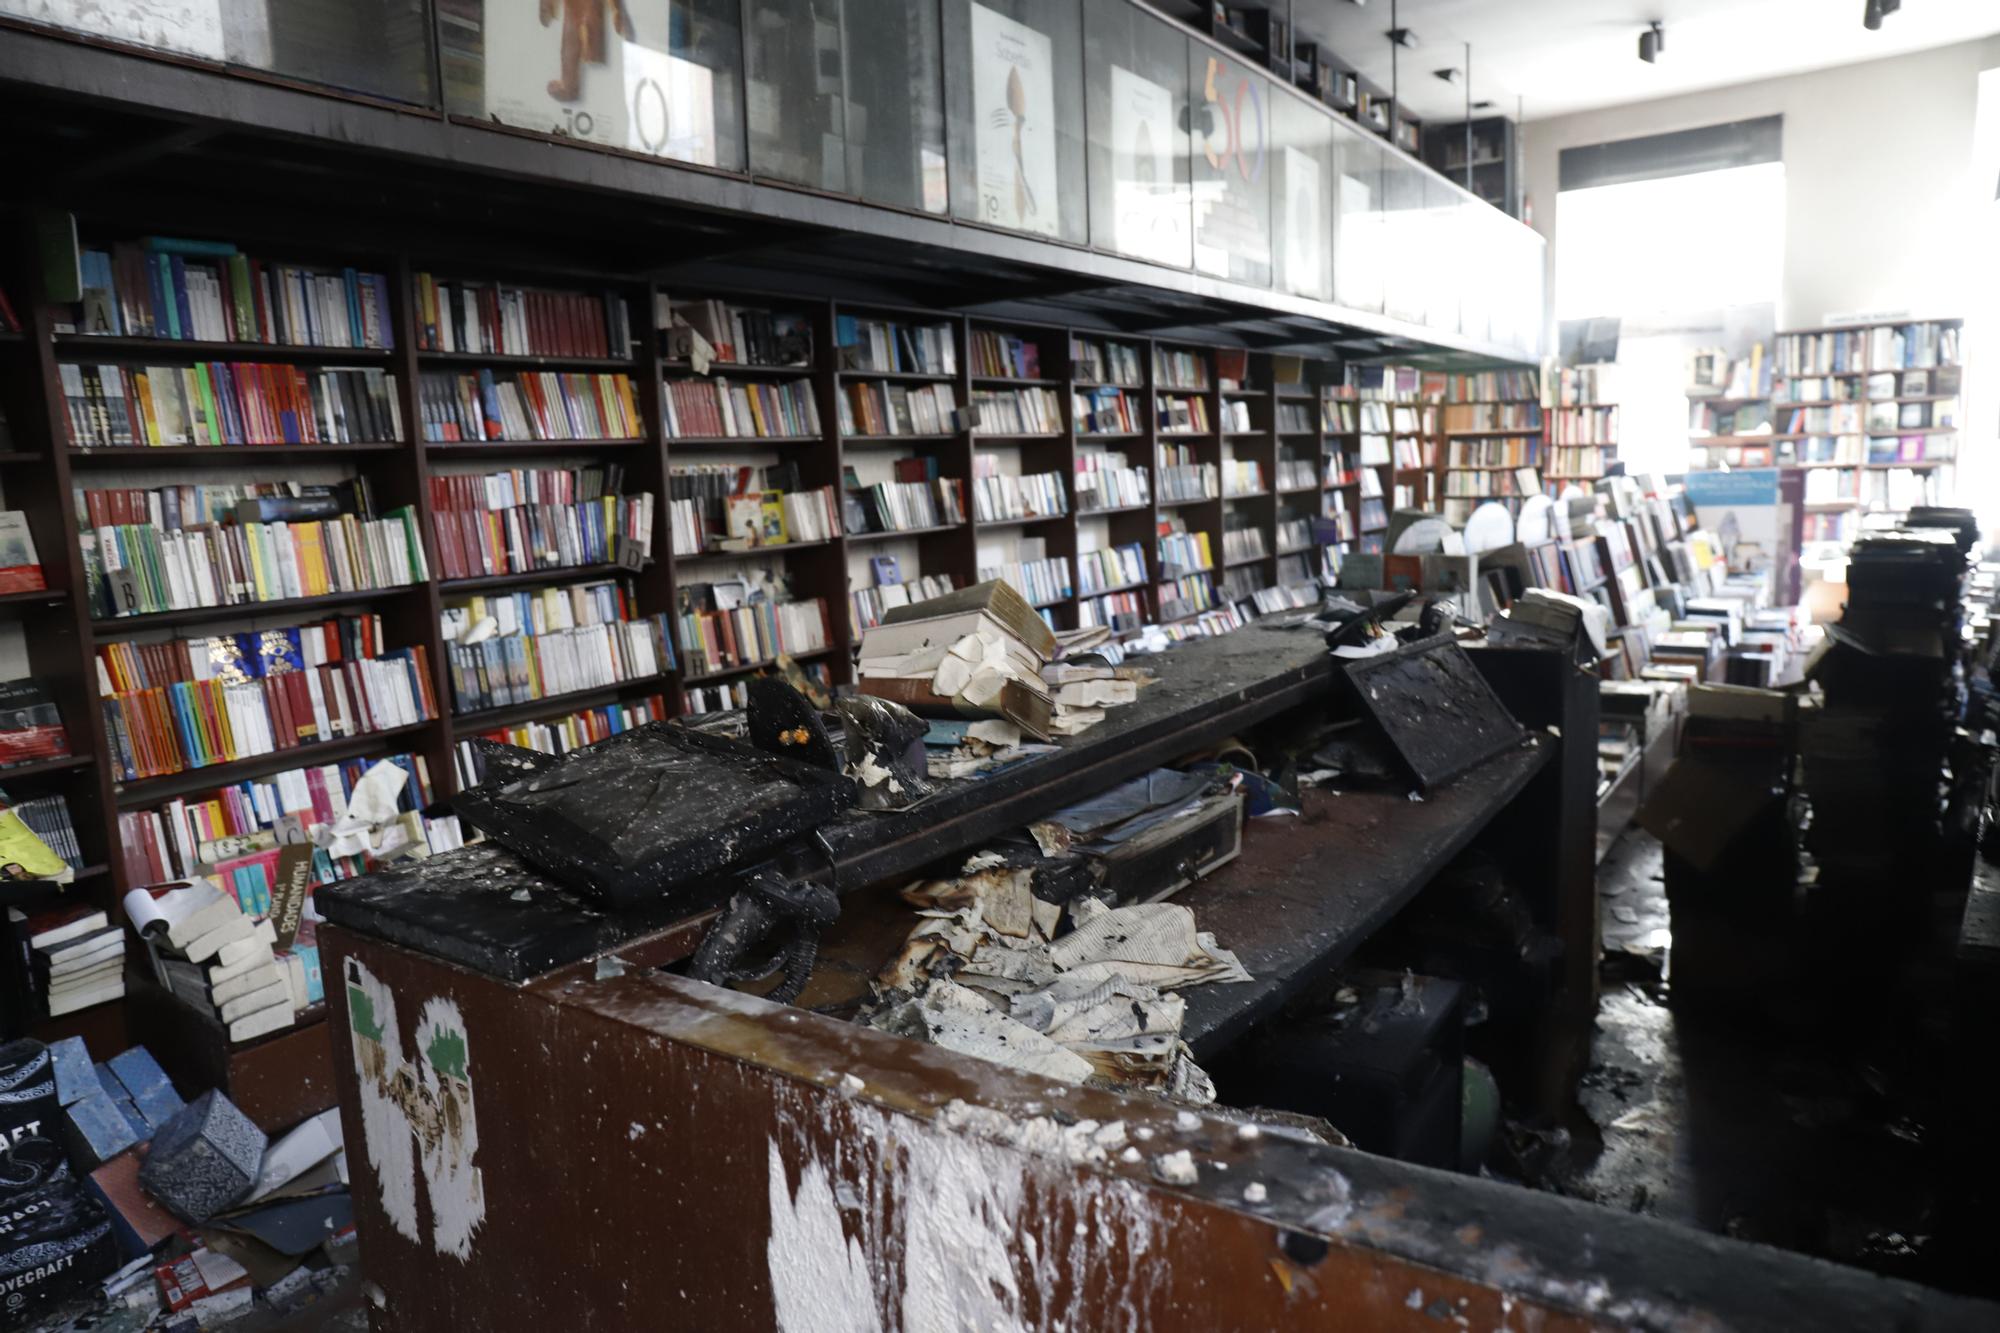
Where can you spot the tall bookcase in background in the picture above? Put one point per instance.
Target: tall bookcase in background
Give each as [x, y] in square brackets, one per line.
[1582, 421]
[1273, 442]
[1492, 430]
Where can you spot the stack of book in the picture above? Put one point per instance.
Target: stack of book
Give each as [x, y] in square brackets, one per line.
[220, 956]
[167, 711]
[869, 408]
[1107, 480]
[516, 647]
[560, 735]
[725, 409]
[528, 406]
[1107, 411]
[891, 348]
[995, 497]
[493, 319]
[178, 548]
[527, 519]
[180, 837]
[228, 403]
[31, 726]
[718, 636]
[76, 957]
[741, 335]
[166, 287]
[978, 652]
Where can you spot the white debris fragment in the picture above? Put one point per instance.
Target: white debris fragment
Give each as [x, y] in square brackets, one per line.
[610, 966]
[636, 1131]
[1143, 1133]
[1176, 1168]
[1248, 1132]
[1255, 1192]
[1187, 1122]
[982, 861]
[1131, 1156]
[849, 1085]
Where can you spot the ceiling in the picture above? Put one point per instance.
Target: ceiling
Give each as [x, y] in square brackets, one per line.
[1560, 56]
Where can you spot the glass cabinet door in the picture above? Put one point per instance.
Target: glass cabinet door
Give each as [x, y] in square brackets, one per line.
[1358, 239]
[1135, 69]
[1230, 129]
[1014, 114]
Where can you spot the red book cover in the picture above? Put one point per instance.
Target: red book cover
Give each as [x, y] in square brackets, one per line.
[31, 728]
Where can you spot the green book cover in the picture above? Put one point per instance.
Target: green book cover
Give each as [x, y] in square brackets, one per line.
[246, 306]
[173, 312]
[216, 432]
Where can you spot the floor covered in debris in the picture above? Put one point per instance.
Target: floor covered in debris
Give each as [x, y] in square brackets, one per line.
[1775, 1123]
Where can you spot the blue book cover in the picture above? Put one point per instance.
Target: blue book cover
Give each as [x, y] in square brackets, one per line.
[386, 326]
[276, 651]
[183, 316]
[350, 285]
[165, 320]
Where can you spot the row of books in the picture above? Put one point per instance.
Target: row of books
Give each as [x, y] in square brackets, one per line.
[1585, 386]
[889, 347]
[726, 409]
[1374, 514]
[1284, 596]
[1106, 479]
[1183, 551]
[131, 665]
[867, 605]
[1342, 416]
[1943, 382]
[1016, 412]
[173, 726]
[48, 818]
[901, 506]
[1041, 581]
[1294, 534]
[523, 521]
[1180, 369]
[529, 406]
[1179, 415]
[1880, 417]
[1105, 362]
[202, 291]
[742, 335]
[1342, 518]
[1585, 425]
[1243, 541]
[518, 668]
[1344, 469]
[994, 497]
[1492, 483]
[1855, 351]
[1186, 596]
[877, 407]
[1242, 476]
[227, 403]
[716, 639]
[1492, 416]
[1106, 411]
[1110, 567]
[1121, 611]
[1297, 474]
[1294, 419]
[496, 319]
[1187, 480]
[1003, 356]
[560, 735]
[1492, 385]
[1236, 415]
[175, 839]
[1503, 452]
[140, 570]
[730, 695]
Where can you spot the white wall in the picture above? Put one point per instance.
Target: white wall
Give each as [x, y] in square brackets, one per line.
[1878, 177]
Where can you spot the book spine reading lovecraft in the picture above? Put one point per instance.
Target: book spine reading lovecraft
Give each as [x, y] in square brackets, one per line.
[493, 319]
[561, 735]
[176, 838]
[162, 722]
[891, 348]
[758, 631]
[995, 497]
[1107, 480]
[228, 403]
[201, 291]
[540, 405]
[177, 548]
[730, 409]
[525, 520]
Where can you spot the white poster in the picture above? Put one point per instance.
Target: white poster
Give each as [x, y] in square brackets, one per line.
[190, 27]
[1014, 124]
[1150, 212]
[1305, 224]
[595, 72]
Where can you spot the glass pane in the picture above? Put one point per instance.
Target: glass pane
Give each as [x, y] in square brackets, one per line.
[1140, 201]
[1358, 259]
[792, 91]
[1231, 134]
[1302, 193]
[895, 103]
[1444, 253]
[659, 79]
[1406, 285]
[378, 47]
[1014, 113]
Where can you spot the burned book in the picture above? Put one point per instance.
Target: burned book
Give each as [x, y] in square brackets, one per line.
[1434, 707]
[635, 817]
[1156, 834]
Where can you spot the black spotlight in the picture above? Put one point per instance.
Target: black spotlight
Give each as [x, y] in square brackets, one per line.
[1654, 40]
[1872, 12]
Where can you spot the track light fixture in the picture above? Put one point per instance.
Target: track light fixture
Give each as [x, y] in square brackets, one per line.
[1402, 37]
[1445, 75]
[1654, 40]
[1873, 10]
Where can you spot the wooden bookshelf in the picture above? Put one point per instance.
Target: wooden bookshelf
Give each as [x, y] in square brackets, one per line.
[1491, 429]
[1582, 426]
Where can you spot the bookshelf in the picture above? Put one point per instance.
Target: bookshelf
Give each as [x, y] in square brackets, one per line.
[1491, 429]
[1582, 426]
[1258, 411]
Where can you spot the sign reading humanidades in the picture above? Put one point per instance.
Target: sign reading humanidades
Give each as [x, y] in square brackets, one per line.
[417, 1112]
